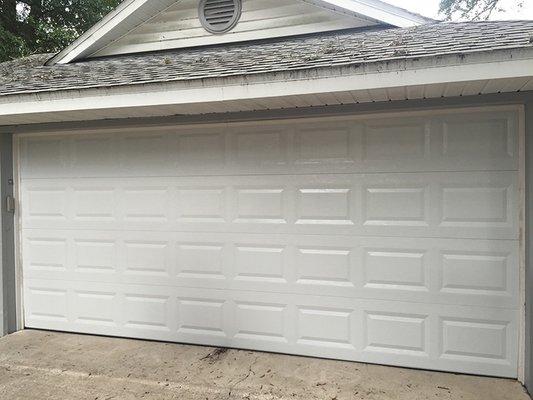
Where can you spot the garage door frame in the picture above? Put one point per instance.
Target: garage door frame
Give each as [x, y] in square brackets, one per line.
[407, 113]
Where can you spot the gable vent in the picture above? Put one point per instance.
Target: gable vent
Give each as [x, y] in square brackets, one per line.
[219, 16]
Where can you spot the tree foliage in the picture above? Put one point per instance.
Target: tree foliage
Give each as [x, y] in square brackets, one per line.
[472, 10]
[41, 26]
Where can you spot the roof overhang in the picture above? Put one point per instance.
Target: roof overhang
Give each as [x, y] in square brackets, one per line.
[446, 76]
[376, 10]
[130, 13]
[118, 22]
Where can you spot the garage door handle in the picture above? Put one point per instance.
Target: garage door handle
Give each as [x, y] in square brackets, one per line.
[10, 204]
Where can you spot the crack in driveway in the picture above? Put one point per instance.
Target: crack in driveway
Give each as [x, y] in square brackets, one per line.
[197, 389]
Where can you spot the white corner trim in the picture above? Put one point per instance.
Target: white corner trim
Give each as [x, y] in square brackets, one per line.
[522, 244]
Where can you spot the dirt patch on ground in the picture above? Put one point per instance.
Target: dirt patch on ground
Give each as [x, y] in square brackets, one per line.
[215, 355]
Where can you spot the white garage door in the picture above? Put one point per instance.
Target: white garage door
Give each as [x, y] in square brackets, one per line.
[388, 239]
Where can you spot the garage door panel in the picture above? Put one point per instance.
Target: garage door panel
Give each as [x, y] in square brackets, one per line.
[452, 271]
[469, 205]
[480, 136]
[381, 238]
[467, 339]
[457, 141]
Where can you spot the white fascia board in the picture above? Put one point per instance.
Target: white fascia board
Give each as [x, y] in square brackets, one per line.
[237, 89]
[90, 37]
[107, 29]
[381, 12]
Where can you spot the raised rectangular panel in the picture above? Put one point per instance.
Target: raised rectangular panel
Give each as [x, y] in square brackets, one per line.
[478, 137]
[324, 327]
[146, 154]
[46, 254]
[146, 258]
[201, 150]
[473, 339]
[260, 148]
[145, 203]
[46, 203]
[95, 255]
[395, 141]
[395, 206]
[475, 273]
[260, 321]
[324, 144]
[475, 205]
[43, 157]
[324, 267]
[324, 206]
[146, 312]
[201, 316]
[395, 332]
[260, 205]
[94, 203]
[395, 269]
[47, 304]
[95, 308]
[93, 155]
[200, 260]
[259, 263]
[202, 204]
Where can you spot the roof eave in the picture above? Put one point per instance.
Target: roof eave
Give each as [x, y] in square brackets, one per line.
[445, 76]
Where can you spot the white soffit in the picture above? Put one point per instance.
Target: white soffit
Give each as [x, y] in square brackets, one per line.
[131, 14]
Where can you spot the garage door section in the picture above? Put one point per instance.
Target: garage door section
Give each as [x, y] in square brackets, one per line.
[387, 239]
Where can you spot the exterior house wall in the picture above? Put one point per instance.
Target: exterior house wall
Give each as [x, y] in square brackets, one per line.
[7, 239]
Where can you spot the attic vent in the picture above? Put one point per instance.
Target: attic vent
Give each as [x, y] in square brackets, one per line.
[219, 16]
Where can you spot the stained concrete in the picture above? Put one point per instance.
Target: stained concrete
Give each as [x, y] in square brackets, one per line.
[60, 366]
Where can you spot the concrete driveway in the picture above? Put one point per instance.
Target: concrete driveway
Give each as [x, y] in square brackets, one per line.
[60, 366]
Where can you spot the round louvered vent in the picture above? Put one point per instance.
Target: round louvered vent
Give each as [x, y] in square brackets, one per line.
[219, 16]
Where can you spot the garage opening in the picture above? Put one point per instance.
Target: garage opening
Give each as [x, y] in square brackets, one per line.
[386, 238]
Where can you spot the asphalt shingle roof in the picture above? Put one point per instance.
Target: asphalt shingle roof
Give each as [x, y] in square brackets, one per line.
[343, 48]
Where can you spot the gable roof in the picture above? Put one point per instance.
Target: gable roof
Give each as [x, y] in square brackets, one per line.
[132, 13]
[353, 49]
[179, 26]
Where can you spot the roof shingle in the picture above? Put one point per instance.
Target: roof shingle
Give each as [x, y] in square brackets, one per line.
[330, 49]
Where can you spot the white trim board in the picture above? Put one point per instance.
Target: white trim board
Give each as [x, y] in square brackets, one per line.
[522, 179]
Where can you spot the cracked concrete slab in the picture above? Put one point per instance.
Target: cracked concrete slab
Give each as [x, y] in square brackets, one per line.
[61, 366]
